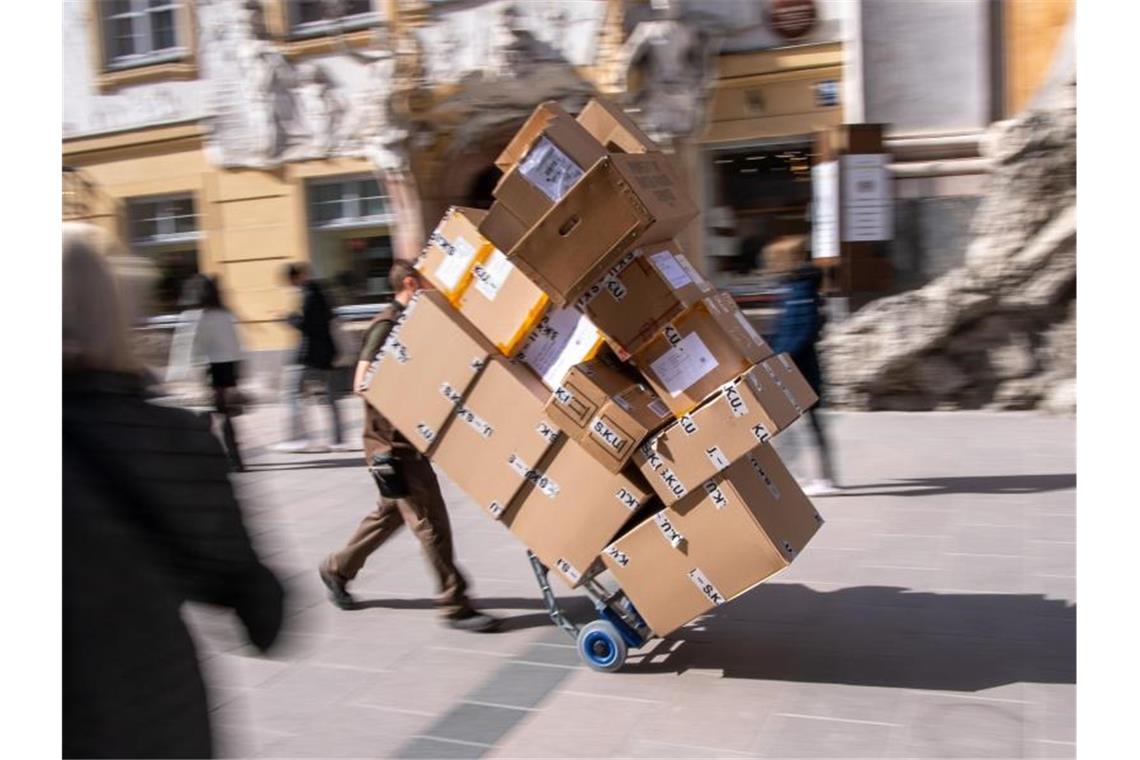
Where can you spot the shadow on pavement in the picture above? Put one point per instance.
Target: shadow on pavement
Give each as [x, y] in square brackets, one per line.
[988, 484]
[577, 608]
[880, 636]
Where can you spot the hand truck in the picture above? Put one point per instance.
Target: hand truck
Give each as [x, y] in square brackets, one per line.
[603, 643]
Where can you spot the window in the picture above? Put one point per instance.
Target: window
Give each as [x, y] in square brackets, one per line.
[349, 240]
[165, 231]
[140, 32]
[307, 17]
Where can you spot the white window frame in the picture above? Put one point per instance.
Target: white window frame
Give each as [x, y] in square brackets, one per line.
[355, 219]
[170, 236]
[140, 16]
[299, 30]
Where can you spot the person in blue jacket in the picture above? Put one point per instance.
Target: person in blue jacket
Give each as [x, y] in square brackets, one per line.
[798, 330]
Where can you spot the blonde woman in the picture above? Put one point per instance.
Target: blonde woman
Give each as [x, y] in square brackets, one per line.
[149, 521]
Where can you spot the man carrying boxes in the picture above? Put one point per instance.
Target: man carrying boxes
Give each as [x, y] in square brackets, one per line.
[409, 490]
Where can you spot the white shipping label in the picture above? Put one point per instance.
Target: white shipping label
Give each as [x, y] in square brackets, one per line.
[706, 586]
[490, 275]
[627, 498]
[496, 509]
[717, 457]
[667, 264]
[518, 465]
[671, 534]
[684, 364]
[393, 347]
[562, 339]
[617, 555]
[452, 268]
[772, 487]
[603, 431]
[450, 393]
[735, 400]
[694, 275]
[657, 406]
[716, 495]
[477, 423]
[567, 569]
[549, 169]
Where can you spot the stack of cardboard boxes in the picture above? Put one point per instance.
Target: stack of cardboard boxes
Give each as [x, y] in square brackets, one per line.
[586, 386]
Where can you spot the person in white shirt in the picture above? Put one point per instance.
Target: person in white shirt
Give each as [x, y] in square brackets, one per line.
[216, 343]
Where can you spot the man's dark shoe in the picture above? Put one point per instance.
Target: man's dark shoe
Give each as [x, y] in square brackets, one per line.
[474, 621]
[338, 594]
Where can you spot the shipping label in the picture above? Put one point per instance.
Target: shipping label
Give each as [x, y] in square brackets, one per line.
[547, 431]
[772, 487]
[657, 464]
[564, 397]
[717, 457]
[549, 169]
[684, 364]
[425, 432]
[706, 587]
[716, 495]
[567, 569]
[496, 509]
[627, 498]
[666, 263]
[617, 555]
[452, 268]
[760, 432]
[672, 535]
[450, 393]
[395, 348]
[490, 275]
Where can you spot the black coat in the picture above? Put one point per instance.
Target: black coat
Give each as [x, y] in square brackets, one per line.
[149, 520]
[314, 321]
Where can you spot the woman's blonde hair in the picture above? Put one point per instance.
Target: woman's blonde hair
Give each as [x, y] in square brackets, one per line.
[96, 320]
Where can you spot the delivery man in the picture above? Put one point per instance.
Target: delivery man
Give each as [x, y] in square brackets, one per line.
[409, 491]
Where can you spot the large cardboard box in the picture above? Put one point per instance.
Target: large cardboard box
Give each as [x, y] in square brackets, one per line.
[573, 508]
[561, 339]
[426, 365]
[694, 355]
[607, 410]
[453, 250]
[738, 529]
[498, 434]
[747, 411]
[622, 201]
[640, 294]
[611, 127]
[502, 302]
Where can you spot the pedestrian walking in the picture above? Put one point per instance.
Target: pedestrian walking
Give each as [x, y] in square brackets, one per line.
[316, 355]
[150, 520]
[798, 329]
[409, 490]
[216, 343]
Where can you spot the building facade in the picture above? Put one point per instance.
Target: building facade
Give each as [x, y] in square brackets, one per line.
[234, 136]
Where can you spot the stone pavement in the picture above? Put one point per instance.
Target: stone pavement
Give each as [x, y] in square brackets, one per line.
[934, 615]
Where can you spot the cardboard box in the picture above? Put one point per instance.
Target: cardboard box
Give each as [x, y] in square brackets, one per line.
[453, 250]
[694, 355]
[502, 302]
[613, 128]
[747, 411]
[642, 293]
[562, 338]
[502, 228]
[607, 410]
[426, 365]
[573, 508]
[737, 530]
[498, 435]
[622, 201]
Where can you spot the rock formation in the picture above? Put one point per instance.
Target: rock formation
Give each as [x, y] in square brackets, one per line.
[999, 331]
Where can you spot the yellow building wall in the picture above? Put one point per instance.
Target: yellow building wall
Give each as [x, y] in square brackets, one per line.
[1033, 29]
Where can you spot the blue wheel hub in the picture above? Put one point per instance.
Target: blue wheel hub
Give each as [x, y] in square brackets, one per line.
[599, 648]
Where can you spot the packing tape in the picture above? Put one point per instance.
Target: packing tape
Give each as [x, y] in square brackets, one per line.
[619, 557]
[564, 567]
[496, 510]
[547, 431]
[772, 487]
[425, 431]
[706, 587]
[672, 535]
[450, 393]
[687, 425]
[716, 495]
[735, 401]
[607, 436]
[534, 315]
[668, 478]
[717, 457]
[628, 499]
[477, 423]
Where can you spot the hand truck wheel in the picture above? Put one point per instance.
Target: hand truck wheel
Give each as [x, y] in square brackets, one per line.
[601, 646]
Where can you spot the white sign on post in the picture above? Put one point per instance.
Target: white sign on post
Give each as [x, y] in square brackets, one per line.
[867, 198]
[825, 210]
